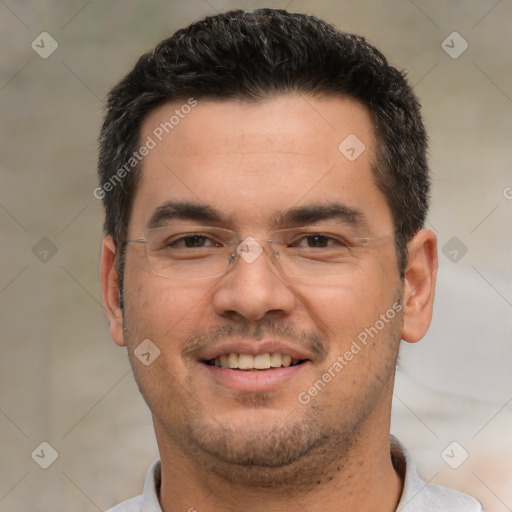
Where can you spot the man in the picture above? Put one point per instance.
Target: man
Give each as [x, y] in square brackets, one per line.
[265, 184]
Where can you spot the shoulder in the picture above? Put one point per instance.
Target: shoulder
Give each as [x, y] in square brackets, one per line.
[419, 496]
[148, 500]
[434, 497]
[131, 505]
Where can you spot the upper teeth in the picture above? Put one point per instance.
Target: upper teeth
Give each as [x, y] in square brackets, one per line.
[248, 361]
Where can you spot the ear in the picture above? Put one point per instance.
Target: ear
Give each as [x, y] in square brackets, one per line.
[110, 291]
[419, 285]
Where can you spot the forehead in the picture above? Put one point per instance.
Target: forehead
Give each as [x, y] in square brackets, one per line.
[287, 122]
[254, 159]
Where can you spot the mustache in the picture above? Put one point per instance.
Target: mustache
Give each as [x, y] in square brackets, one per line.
[312, 341]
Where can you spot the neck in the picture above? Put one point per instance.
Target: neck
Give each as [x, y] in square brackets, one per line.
[363, 480]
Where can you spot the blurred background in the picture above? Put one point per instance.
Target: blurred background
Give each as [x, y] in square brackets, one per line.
[63, 382]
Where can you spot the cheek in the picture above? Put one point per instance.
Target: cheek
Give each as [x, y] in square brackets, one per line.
[167, 314]
[164, 311]
[361, 321]
[344, 309]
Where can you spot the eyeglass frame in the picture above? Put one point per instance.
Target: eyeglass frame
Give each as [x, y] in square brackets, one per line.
[234, 255]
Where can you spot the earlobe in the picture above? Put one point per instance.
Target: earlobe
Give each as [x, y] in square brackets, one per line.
[110, 291]
[419, 285]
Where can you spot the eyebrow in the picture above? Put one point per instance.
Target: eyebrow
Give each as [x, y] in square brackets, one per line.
[304, 215]
[184, 210]
[296, 216]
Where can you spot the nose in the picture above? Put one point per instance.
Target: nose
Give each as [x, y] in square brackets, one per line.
[253, 288]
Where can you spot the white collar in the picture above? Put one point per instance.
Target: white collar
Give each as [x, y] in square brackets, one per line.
[417, 495]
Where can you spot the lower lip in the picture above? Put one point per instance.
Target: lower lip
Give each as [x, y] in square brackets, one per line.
[254, 380]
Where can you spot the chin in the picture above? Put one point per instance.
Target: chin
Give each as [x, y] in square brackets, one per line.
[267, 451]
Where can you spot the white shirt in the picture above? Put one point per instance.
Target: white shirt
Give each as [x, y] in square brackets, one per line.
[417, 495]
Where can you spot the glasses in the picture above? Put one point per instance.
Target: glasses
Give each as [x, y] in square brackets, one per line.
[180, 251]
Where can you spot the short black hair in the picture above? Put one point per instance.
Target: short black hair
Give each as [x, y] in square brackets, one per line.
[249, 56]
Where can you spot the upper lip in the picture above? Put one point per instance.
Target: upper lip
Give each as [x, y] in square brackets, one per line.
[255, 348]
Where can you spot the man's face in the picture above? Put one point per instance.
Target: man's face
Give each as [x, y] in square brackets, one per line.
[252, 163]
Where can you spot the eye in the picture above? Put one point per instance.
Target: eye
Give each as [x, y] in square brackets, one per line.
[318, 241]
[191, 241]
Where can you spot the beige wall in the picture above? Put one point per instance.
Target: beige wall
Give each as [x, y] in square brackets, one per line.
[64, 382]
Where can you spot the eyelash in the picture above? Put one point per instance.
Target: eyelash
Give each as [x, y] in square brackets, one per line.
[296, 241]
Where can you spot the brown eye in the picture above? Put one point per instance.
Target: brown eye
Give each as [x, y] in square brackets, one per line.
[318, 241]
[192, 241]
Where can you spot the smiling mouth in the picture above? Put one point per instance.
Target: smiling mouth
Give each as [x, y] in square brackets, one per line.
[244, 362]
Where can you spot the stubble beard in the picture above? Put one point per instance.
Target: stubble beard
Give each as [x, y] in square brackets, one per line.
[293, 454]
[288, 455]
